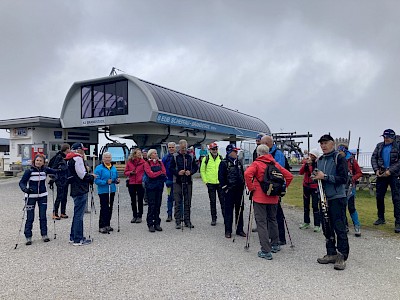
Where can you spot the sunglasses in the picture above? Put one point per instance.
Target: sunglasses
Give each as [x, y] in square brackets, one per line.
[214, 149]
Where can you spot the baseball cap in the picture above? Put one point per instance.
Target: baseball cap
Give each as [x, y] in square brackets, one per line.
[259, 136]
[213, 146]
[389, 133]
[315, 152]
[231, 148]
[325, 137]
[77, 146]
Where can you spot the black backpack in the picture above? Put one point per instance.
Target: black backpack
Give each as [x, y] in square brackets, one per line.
[273, 183]
[52, 162]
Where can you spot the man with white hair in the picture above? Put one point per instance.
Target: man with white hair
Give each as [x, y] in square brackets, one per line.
[183, 166]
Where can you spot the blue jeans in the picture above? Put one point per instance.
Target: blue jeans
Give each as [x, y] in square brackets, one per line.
[30, 215]
[77, 221]
[170, 198]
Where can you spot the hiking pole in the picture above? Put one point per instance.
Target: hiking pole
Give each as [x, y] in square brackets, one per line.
[22, 221]
[91, 211]
[238, 217]
[118, 206]
[287, 229]
[54, 220]
[249, 223]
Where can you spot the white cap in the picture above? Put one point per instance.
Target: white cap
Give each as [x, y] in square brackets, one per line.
[315, 152]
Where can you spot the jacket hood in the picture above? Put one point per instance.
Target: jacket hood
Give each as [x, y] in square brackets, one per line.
[267, 158]
[72, 155]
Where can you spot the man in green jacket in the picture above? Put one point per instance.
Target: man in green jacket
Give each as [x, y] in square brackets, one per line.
[209, 175]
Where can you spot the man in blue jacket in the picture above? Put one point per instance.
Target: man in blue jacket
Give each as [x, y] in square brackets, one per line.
[386, 164]
[170, 178]
[333, 173]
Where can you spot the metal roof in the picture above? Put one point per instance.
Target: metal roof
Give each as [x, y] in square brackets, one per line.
[37, 121]
[174, 102]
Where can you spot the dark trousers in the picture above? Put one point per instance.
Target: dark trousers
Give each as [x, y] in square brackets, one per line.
[106, 208]
[136, 203]
[213, 190]
[281, 222]
[267, 227]
[311, 194]
[30, 215]
[233, 200]
[170, 199]
[154, 198]
[336, 230]
[382, 184]
[62, 196]
[182, 194]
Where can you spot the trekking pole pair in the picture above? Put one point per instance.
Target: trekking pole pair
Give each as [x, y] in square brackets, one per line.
[249, 223]
[287, 228]
[241, 208]
[22, 221]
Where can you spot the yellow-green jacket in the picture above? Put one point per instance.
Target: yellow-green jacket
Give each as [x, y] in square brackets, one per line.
[209, 171]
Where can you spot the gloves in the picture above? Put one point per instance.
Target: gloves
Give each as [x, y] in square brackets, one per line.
[51, 184]
[28, 191]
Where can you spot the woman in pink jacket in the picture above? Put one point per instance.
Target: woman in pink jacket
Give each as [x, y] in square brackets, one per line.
[134, 170]
[265, 206]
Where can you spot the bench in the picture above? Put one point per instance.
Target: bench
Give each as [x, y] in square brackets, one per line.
[368, 180]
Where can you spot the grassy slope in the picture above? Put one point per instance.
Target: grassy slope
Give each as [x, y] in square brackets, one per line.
[365, 205]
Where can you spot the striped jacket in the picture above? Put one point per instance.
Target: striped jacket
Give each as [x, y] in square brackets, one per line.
[35, 179]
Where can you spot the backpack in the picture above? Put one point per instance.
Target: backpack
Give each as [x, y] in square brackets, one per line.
[208, 159]
[273, 183]
[52, 162]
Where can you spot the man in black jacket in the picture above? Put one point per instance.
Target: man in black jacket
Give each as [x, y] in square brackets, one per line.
[58, 162]
[231, 180]
[386, 164]
[182, 167]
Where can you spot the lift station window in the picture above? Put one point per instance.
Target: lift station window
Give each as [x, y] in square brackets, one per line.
[104, 99]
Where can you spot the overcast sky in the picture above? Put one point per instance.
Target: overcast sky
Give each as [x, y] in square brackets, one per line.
[305, 66]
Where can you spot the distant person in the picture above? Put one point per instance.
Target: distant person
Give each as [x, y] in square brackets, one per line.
[134, 170]
[33, 184]
[333, 173]
[183, 166]
[386, 164]
[106, 180]
[310, 191]
[58, 162]
[203, 153]
[231, 180]
[80, 180]
[209, 174]
[144, 155]
[167, 159]
[354, 174]
[156, 173]
[265, 206]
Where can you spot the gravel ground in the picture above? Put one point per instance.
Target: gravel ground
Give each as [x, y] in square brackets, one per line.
[194, 264]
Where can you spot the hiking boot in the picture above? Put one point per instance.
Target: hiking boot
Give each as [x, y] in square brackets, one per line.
[63, 216]
[56, 217]
[28, 241]
[228, 235]
[103, 230]
[241, 234]
[190, 225]
[254, 230]
[327, 259]
[265, 255]
[380, 221]
[213, 222]
[133, 220]
[152, 229]
[317, 229]
[169, 219]
[340, 263]
[109, 228]
[304, 226]
[178, 226]
[275, 248]
[282, 243]
[83, 242]
[357, 231]
[45, 238]
[397, 228]
[139, 220]
[158, 228]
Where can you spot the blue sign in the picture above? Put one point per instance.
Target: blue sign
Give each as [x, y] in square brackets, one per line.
[201, 125]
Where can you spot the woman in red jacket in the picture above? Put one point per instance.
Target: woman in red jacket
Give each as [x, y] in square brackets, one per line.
[134, 170]
[265, 206]
[310, 190]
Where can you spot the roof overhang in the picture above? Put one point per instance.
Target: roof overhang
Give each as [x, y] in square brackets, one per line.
[38, 121]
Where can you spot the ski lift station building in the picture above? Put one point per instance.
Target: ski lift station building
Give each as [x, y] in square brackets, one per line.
[130, 108]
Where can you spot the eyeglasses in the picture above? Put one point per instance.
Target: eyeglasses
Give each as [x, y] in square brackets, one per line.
[214, 149]
[171, 147]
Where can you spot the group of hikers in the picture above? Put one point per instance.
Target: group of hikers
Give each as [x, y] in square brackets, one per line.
[329, 184]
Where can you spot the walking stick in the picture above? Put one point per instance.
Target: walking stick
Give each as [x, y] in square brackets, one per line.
[118, 207]
[54, 220]
[91, 210]
[250, 223]
[22, 221]
[238, 216]
[287, 229]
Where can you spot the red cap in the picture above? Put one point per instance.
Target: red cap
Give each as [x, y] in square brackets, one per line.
[212, 145]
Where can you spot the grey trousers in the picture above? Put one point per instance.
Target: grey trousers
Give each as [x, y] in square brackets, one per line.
[267, 227]
[182, 193]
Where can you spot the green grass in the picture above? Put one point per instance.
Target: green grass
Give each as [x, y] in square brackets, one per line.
[365, 205]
